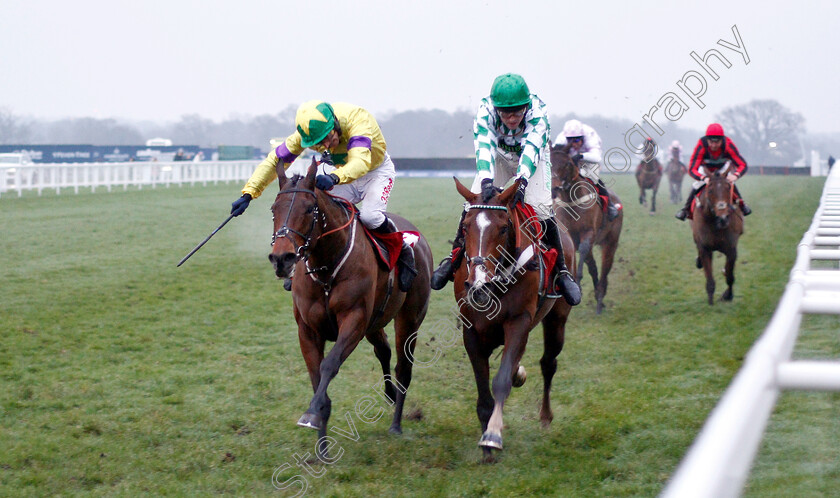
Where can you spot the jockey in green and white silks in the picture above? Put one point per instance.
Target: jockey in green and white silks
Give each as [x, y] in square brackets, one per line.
[502, 153]
[512, 140]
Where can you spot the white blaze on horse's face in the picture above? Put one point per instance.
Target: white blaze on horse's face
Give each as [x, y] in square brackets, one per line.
[483, 222]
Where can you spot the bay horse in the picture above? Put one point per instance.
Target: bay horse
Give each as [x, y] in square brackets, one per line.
[676, 171]
[340, 293]
[575, 202]
[717, 224]
[497, 293]
[648, 176]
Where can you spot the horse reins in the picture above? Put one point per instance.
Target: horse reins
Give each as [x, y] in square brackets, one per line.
[284, 230]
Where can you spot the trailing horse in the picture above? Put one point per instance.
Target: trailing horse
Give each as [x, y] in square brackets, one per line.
[649, 174]
[676, 172]
[580, 213]
[498, 294]
[717, 224]
[342, 293]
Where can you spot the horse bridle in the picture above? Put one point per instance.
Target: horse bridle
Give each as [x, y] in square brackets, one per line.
[568, 182]
[479, 260]
[284, 231]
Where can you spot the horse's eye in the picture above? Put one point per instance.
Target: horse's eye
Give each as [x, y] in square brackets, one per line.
[504, 229]
[310, 209]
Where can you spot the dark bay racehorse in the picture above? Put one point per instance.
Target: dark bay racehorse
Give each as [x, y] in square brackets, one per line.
[341, 293]
[497, 292]
[648, 176]
[583, 217]
[717, 224]
[676, 171]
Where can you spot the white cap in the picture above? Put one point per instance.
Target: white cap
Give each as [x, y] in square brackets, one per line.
[573, 128]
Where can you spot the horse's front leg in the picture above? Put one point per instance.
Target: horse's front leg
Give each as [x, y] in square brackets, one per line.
[653, 199]
[554, 329]
[585, 251]
[479, 355]
[516, 337]
[351, 326]
[731, 256]
[705, 257]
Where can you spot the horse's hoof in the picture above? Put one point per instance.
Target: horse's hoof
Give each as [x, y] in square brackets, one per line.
[310, 420]
[395, 430]
[491, 441]
[727, 295]
[519, 377]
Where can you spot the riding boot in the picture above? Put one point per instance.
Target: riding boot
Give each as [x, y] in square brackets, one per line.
[743, 205]
[562, 282]
[407, 269]
[446, 269]
[683, 213]
[612, 209]
[287, 284]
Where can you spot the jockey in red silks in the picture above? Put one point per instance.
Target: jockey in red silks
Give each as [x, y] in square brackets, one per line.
[712, 152]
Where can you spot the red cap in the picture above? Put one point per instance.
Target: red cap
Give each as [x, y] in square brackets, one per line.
[714, 130]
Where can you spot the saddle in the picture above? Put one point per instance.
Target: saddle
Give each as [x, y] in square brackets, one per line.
[603, 200]
[386, 246]
[544, 259]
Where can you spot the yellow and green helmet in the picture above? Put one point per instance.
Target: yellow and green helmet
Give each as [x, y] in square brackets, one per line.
[509, 90]
[314, 121]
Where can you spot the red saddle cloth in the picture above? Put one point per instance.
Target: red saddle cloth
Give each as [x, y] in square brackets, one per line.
[549, 256]
[387, 246]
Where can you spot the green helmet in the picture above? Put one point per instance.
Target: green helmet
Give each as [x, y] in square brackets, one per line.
[510, 90]
[314, 120]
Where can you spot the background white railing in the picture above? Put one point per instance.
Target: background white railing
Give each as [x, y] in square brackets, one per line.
[719, 461]
[17, 178]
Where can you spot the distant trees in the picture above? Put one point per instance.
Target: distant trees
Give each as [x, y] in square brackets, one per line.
[765, 131]
[88, 131]
[13, 130]
[424, 133]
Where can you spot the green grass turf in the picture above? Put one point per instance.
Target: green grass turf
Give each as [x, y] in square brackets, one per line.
[123, 374]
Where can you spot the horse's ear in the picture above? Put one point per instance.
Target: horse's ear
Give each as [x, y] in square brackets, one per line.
[311, 172]
[507, 195]
[281, 174]
[725, 169]
[465, 192]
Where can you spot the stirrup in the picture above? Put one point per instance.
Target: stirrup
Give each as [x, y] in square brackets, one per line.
[559, 289]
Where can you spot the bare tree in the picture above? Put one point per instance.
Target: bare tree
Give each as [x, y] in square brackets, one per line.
[12, 129]
[764, 131]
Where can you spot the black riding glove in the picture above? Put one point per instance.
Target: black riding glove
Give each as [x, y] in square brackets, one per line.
[577, 157]
[240, 205]
[519, 196]
[487, 189]
[326, 182]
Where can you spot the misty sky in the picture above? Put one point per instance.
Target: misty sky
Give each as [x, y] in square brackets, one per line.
[160, 59]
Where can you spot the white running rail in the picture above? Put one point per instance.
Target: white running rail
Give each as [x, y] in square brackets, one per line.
[719, 461]
[38, 177]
